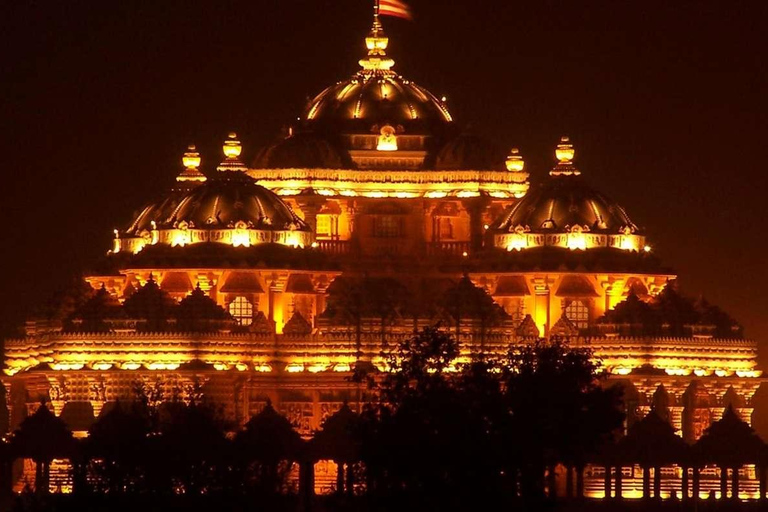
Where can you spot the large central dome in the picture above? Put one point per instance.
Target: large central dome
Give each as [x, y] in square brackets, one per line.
[377, 96]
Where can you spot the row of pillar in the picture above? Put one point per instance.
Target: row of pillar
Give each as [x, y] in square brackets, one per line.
[615, 472]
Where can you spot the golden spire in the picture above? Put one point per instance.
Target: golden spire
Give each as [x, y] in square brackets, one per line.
[191, 161]
[377, 43]
[515, 162]
[232, 149]
[564, 154]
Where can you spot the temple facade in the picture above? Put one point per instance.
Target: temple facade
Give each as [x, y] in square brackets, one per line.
[232, 282]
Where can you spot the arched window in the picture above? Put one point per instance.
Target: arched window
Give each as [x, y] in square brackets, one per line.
[578, 313]
[241, 310]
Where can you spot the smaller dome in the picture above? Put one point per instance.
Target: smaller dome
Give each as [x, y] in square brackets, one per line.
[302, 150]
[565, 211]
[231, 198]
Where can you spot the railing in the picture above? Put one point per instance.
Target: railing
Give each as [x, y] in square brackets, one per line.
[334, 246]
[451, 248]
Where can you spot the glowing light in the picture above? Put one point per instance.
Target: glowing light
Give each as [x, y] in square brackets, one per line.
[66, 366]
[628, 244]
[342, 367]
[262, 368]
[565, 151]
[721, 373]
[130, 366]
[221, 366]
[517, 243]
[101, 366]
[515, 162]
[241, 367]
[288, 191]
[468, 193]
[326, 192]
[677, 371]
[293, 240]
[387, 139]
[316, 368]
[162, 366]
[622, 371]
[232, 147]
[315, 245]
[700, 373]
[465, 254]
[191, 159]
[500, 195]
[294, 368]
[435, 194]
[241, 238]
[375, 193]
[647, 248]
[576, 241]
[181, 237]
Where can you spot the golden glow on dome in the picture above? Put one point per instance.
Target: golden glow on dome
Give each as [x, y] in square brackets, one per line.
[515, 162]
[387, 139]
[191, 158]
[565, 151]
[232, 147]
[377, 43]
[564, 154]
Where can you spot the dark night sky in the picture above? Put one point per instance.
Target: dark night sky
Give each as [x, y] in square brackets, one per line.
[666, 102]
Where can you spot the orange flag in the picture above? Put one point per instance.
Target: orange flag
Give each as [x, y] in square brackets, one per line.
[395, 8]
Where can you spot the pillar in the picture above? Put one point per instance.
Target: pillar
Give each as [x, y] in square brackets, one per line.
[607, 481]
[580, 482]
[762, 473]
[569, 482]
[339, 477]
[646, 482]
[685, 484]
[475, 208]
[350, 480]
[735, 484]
[618, 482]
[723, 483]
[657, 482]
[310, 205]
[696, 483]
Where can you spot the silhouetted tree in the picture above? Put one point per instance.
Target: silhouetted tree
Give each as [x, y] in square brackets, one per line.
[267, 447]
[42, 437]
[338, 440]
[117, 446]
[559, 410]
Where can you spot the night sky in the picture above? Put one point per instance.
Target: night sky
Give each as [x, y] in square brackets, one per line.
[666, 103]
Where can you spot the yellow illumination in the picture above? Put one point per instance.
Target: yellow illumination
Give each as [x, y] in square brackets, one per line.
[232, 147]
[565, 151]
[130, 366]
[101, 366]
[326, 192]
[468, 193]
[647, 248]
[221, 366]
[435, 194]
[66, 366]
[387, 139]
[316, 368]
[375, 193]
[515, 162]
[263, 368]
[294, 368]
[191, 158]
[342, 367]
[622, 371]
[576, 241]
[241, 367]
[241, 237]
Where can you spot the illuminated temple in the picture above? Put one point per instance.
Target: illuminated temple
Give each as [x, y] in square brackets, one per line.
[225, 282]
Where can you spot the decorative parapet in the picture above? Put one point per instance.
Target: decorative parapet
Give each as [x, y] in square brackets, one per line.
[389, 183]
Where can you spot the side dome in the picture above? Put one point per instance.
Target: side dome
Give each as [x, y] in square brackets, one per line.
[228, 208]
[566, 212]
[301, 151]
[231, 198]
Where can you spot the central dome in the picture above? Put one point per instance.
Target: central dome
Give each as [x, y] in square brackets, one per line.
[377, 96]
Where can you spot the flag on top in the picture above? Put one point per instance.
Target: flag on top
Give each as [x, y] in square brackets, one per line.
[396, 8]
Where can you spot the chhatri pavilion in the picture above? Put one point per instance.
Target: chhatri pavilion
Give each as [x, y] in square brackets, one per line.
[230, 283]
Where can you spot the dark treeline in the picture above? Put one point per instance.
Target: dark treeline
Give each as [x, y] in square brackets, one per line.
[434, 431]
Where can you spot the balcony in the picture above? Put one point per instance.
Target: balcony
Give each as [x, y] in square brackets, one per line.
[447, 248]
[334, 246]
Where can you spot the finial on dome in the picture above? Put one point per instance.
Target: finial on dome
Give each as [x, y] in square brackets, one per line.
[565, 151]
[191, 161]
[377, 43]
[232, 149]
[515, 162]
[564, 154]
